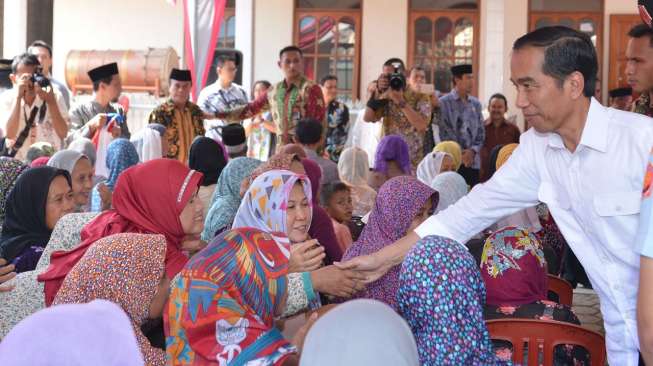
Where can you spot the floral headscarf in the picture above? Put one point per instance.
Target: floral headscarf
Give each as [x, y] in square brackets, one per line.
[514, 268]
[222, 304]
[10, 169]
[399, 200]
[121, 154]
[441, 296]
[107, 271]
[226, 198]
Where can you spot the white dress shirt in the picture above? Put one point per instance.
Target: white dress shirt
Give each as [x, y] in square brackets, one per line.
[593, 194]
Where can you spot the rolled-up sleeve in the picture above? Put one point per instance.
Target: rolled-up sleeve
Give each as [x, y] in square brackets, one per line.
[512, 188]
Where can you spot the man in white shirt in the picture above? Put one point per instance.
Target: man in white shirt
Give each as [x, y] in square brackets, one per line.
[31, 113]
[43, 52]
[222, 95]
[585, 161]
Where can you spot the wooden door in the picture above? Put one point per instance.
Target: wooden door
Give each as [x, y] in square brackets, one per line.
[620, 24]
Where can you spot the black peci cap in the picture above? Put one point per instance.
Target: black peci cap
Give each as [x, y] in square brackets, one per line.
[103, 72]
[180, 75]
[459, 70]
[621, 92]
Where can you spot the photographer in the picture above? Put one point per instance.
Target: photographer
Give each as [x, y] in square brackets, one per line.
[32, 111]
[43, 52]
[405, 112]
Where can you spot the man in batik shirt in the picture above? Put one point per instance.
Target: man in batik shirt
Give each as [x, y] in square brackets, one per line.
[462, 121]
[290, 100]
[183, 119]
[337, 116]
[405, 112]
[639, 67]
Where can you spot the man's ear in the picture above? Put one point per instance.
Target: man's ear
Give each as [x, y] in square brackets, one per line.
[12, 77]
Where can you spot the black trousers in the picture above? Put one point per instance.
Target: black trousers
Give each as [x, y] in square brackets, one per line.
[471, 175]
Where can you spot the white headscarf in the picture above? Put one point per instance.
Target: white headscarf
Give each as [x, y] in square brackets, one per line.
[430, 166]
[147, 142]
[451, 187]
[66, 160]
[362, 333]
[353, 166]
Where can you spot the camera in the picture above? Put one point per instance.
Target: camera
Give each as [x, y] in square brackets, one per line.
[397, 80]
[40, 80]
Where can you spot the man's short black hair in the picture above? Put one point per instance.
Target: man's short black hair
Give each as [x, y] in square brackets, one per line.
[329, 189]
[566, 51]
[41, 44]
[107, 80]
[395, 60]
[308, 131]
[499, 96]
[26, 59]
[223, 59]
[642, 30]
[290, 49]
[327, 78]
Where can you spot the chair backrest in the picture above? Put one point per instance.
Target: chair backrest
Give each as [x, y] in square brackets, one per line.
[544, 335]
[562, 288]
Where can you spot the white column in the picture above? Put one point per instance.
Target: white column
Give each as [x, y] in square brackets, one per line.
[272, 31]
[492, 56]
[245, 39]
[15, 28]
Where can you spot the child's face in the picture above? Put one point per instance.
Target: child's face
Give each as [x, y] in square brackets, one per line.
[340, 207]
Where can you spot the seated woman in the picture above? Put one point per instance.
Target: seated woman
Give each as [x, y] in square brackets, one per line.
[451, 187]
[206, 156]
[80, 168]
[170, 208]
[453, 149]
[108, 272]
[392, 160]
[39, 199]
[10, 170]
[402, 204]
[354, 170]
[150, 143]
[240, 280]
[280, 201]
[86, 147]
[441, 296]
[515, 274]
[121, 155]
[433, 164]
[226, 198]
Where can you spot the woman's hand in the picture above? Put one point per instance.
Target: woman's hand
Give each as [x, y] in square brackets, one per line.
[370, 266]
[306, 256]
[6, 274]
[105, 196]
[338, 282]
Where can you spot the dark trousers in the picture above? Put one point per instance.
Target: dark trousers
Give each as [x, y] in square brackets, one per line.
[471, 175]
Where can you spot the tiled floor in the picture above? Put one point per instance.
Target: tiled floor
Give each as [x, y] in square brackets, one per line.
[587, 308]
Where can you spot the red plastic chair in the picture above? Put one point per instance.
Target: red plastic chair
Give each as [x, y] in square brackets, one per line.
[563, 289]
[544, 335]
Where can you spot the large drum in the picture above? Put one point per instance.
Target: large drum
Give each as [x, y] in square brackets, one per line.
[140, 71]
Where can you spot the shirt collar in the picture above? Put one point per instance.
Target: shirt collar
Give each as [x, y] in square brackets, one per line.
[297, 83]
[455, 94]
[595, 131]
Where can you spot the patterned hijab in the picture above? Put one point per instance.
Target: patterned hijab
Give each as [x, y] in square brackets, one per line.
[430, 166]
[10, 169]
[514, 268]
[451, 187]
[121, 154]
[441, 296]
[222, 304]
[107, 271]
[392, 148]
[279, 161]
[226, 198]
[452, 148]
[265, 204]
[399, 200]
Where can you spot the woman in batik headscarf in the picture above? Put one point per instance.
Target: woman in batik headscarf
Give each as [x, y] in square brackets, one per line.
[441, 296]
[127, 269]
[223, 304]
[515, 274]
[402, 204]
[121, 155]
[226, 198]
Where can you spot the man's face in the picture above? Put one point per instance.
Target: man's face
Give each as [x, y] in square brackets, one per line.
[44, 58]
[465, 83]
[545, 105]
[417, 78]
[330, 89]
[25, 71]
[497, 109]
[622, 103]
[114, 88]
[180, 91]
[291, 64]
[227, 71]
[639, 65]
